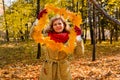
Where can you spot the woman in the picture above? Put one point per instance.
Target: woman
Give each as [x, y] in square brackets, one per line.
[56, 66]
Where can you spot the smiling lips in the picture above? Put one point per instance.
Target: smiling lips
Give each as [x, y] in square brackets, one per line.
[58, 28]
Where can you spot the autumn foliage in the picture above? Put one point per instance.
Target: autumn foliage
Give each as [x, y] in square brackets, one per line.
[37, 35]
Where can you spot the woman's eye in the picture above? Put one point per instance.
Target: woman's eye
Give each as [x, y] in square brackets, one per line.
[59, 23]
[54, 24]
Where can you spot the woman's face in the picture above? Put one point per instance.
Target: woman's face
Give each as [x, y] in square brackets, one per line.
[58, 26]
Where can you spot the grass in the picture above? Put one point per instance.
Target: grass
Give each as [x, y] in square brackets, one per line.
[17, 52]
[26, 52]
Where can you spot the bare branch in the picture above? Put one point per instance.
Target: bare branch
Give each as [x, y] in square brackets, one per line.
[105, 14]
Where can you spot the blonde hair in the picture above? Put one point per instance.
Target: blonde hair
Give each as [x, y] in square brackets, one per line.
[49, 28]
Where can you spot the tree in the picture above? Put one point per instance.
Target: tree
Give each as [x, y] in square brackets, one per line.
[20, 16]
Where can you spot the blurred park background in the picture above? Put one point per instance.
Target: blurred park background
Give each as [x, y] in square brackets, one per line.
[100, 32]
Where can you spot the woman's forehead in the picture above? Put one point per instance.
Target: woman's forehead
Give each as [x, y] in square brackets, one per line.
[57, 20]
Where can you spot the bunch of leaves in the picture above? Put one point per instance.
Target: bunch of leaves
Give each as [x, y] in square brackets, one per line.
[37, 30]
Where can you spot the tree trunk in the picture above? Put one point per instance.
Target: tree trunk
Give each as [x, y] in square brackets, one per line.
[7, 33]
[85, 34]
[39, 45]
[99, 30]
[116, 26]
[94, 34]
[90, 21]
[77, 7]
[26, 32]
[83, 25]
[116, 32]
[105, 14]
[99, 34]
[21, 32]
[73, 6]
[103, 33]
[111, 35]
[99, 23]
[39, 51]
[82, 8]
[21, 35]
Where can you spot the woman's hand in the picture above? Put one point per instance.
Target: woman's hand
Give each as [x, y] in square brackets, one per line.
[78, 33]
[77, 30]
[44, 11]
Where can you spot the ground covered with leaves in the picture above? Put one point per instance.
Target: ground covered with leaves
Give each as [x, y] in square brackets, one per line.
[18, 62]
